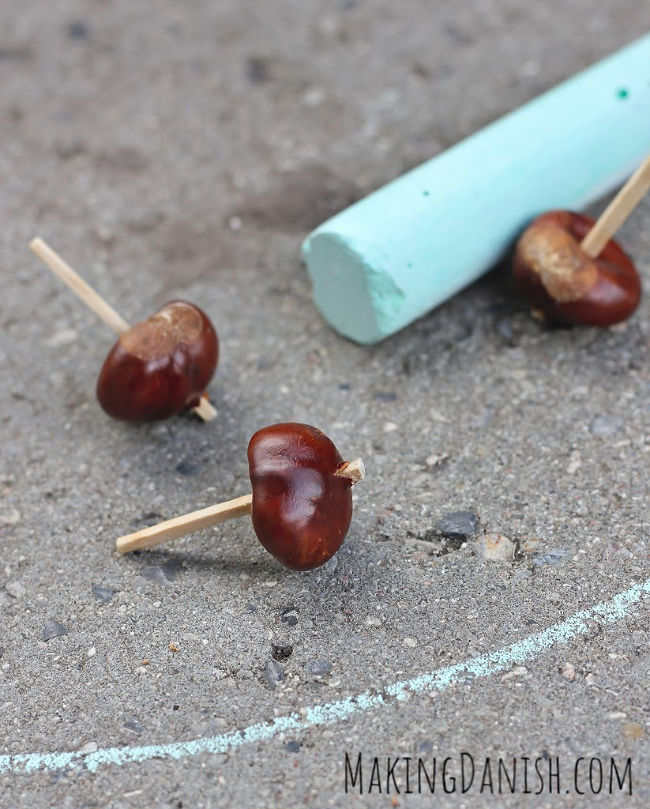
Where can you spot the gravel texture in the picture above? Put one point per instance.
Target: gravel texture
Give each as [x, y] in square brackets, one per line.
[185, 149]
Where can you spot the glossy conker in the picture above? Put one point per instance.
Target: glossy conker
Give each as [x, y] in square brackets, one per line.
[301, 507]
[161, 366]
[566, 285]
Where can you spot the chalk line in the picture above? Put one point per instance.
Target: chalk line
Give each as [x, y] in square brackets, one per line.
[484, 665]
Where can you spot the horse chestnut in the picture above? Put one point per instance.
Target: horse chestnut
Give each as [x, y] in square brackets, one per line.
[566, 285]
[302, 504]
[161, 366]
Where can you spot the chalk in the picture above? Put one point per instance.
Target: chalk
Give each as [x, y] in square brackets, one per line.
[409, 246]
[329, 713]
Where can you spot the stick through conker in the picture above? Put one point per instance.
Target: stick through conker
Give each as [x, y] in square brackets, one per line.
[570, 269]
[158, 367]
[301, 501]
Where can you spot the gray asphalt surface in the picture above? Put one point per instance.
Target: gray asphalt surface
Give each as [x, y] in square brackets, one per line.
[185, 149]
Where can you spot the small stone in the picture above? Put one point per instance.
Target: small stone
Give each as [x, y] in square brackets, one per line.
[134, 724]
[91, 747]
[552, 558]
[77, 30]
[91, 652]
[173, 648]
[632, 730]
[606, 426]
[62, 338]
[459, 525]
[518, 671]
[390, 427]
[15, 589]
[590, 679]
[273, 674]
[281, 652]
[163, 574]
[293, 746]
[575, 462]
[187, 468]
[53, 629]
[614, 715]
[235, 223]
[496, 548]
[318, 667]
[10, 516]
[314, 97]
[412, 642]
[289, 616]
[569, 671]
[386, 396]
[103, 594]
[257, 69]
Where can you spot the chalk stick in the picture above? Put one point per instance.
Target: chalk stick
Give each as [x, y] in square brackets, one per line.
[409, 246]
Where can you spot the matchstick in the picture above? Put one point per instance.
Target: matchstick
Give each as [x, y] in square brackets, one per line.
[98, 305]
[618, 210]
[179, 526]
[207, 517]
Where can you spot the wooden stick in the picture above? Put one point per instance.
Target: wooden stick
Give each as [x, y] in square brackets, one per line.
[355, 470]
[179, 526]
[618, 210]
[205, 409]
[76, 283]
[93, 300]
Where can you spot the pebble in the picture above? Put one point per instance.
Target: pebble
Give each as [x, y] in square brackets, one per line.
[162, 574]
[575, 462]
[293, 746]
[318, 667]
[553, 557]
[458, 525]
[10, 517]
[496, 548]
[273, 674]
[134, 724]
[15, 589]
[569, 671]
[412, 642]
[390, 427]
[187, 468]
[53, 629]
[103, 594]
[289, 616]
[606, 426]
[61, 338]
[91, 652]
[632, 730]
[91, 747]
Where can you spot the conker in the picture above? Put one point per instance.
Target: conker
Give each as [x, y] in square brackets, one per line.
[566, 285]
[161, 366]
[301, 508]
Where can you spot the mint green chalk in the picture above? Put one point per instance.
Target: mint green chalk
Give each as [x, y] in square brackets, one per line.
[409, 246]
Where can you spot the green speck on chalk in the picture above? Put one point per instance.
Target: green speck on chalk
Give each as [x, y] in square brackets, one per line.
[409, 264]
[622, 93]
[425, 193]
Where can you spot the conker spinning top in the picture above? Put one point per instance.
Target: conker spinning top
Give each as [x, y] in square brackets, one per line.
[157, 368]
[572, 272]
[301, 501]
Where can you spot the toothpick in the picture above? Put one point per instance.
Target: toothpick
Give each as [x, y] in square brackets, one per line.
[98, 305]
[618, 210]
[76, 283]
[179, 526]
[213, 515]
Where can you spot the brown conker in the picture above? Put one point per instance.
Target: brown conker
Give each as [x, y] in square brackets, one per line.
[301, 507]
[566, 285]
[161, 366]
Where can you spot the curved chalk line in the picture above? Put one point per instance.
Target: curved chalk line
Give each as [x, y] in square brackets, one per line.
[485, 665]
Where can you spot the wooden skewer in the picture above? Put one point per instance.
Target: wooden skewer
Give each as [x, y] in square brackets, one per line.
[206, 517]
[179, 526]
[94, 301]
[76, 283]
[618, 210]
